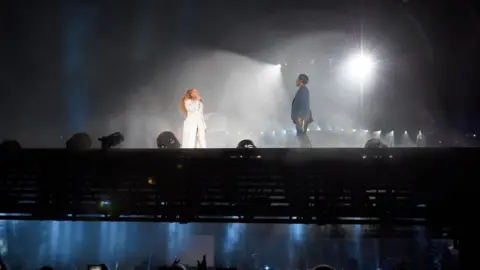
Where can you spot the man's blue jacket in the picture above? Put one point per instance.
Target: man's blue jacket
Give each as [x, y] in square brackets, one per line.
[301, 105]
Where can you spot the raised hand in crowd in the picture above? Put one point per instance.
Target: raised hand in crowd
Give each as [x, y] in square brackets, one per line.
[176, 262]
[203, 264]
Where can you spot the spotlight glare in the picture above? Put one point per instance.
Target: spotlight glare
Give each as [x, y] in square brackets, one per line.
[360, 66]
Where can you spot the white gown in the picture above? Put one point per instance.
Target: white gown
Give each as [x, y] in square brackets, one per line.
[194, 125]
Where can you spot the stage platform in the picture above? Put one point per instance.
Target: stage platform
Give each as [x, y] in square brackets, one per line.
[367, 186]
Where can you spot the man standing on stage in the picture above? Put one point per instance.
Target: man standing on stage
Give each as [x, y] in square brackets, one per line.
[301, 114]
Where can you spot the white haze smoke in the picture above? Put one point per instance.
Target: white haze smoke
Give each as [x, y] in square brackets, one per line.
[242, 97]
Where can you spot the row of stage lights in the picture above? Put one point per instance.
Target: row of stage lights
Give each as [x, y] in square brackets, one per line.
[82, 141]
[360, 66]
[299, 62]
[165, 140]
[358, 131]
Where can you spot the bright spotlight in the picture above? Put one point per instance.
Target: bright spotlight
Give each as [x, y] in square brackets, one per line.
[360, 66]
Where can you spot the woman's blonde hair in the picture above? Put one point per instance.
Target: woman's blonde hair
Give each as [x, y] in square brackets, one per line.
[188, 95]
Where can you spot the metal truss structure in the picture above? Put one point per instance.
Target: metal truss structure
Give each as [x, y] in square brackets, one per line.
[311, 186]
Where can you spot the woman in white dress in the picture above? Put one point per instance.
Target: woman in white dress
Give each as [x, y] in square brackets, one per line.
[194, 125]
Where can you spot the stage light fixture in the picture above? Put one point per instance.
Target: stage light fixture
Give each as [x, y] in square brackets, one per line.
[375, 143]
[360, 66]
[246, 144]
[167, 140]
[111, 140]
[11, 145]
[79, 142]
[420, 141]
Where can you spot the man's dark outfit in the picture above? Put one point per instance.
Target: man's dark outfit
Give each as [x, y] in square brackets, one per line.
[301, 110]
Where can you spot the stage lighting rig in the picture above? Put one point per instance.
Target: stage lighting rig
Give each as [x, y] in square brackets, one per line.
[360, 69]
[111, 140]
[246, 144]
[79, 142]
[375, 143]
[361, 66]
[10, 145]
[167, 140]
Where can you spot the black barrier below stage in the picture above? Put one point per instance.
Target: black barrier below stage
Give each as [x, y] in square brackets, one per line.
[319, 186]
